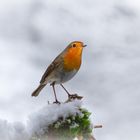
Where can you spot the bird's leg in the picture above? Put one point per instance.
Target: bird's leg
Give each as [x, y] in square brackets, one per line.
[56, 101]
[71, 96]
[65, 89]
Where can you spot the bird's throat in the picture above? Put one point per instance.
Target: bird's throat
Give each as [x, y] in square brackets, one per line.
[72, 59]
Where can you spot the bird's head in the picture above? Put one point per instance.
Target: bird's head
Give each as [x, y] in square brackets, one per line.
[75, 48]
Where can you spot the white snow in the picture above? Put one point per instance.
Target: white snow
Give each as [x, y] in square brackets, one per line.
[49, 114]
[37, 121]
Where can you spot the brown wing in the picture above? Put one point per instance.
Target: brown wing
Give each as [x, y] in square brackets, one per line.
[51, 68]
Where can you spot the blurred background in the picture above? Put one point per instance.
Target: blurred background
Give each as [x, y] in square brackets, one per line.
[34, 32]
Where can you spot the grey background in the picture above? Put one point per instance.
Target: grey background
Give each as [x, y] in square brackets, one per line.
[34, 32]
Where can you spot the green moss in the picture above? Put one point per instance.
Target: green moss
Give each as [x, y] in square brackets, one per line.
[71, 126]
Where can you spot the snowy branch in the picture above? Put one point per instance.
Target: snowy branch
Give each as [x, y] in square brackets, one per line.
[67, 120]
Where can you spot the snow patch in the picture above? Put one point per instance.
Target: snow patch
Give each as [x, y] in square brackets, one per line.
[49, 114]
[37, 121]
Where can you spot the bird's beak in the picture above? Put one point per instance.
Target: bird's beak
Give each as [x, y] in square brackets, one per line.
[84, 45]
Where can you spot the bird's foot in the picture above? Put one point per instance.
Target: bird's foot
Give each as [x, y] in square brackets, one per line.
[74, 96]
[57, 102]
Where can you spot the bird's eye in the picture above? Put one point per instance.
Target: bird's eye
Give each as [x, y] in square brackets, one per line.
[73, 45]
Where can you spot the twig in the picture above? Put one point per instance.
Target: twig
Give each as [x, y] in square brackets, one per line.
[98, 126]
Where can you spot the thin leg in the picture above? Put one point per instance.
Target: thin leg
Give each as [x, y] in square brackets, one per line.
[65, 89]
[56, 101]
[71, 96]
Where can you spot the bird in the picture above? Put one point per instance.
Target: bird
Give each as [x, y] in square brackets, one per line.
[62, 69]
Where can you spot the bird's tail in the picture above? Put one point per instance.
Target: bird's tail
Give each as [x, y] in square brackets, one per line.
[37, 91]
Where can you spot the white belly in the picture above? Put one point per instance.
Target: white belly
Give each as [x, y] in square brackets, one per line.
[67, 76]
[60, 77]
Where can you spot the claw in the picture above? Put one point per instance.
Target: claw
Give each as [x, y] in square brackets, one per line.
[57, 102]
[74, 96]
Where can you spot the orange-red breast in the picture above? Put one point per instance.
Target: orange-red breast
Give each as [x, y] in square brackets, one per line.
[63, 68]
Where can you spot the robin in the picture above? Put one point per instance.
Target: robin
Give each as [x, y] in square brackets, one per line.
[62, 69]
